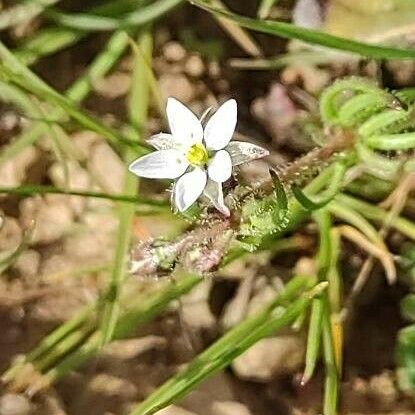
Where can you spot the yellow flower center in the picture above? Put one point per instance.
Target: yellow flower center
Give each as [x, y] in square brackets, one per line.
[197, 155]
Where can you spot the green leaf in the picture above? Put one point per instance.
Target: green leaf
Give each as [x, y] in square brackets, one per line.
[282, 312]
[290, 31]
[77, 92]
[32, 190]
[280, 194]
[137, 107]
[92, 22]
[325, 197]
[14, 71]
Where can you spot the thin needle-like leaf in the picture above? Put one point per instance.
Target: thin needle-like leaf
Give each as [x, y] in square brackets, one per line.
[77, 92]
[232, 344]
[290, 31]
[375, 213]
[138, 106]
[16, 73]
[31, 190]
[91, 22]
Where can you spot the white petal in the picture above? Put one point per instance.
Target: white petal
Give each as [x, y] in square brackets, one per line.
[242, 152]
[162, 164]
[189, 188]
[184, 125]
[163, 141]
[221, 126]
[214, 192]
[220, 167]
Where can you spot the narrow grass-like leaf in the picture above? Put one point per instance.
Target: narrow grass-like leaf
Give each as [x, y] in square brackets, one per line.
[52, 39]
[237, 33]
[27, 80]
[90, 22]
[150, 79]
[56, 351]
[138, 107]
[327, 196]
[357, 220]
[288, 30]
[325, 261]
[319, 309]
[283, 60]
[334, 293]
[403, 141]
[136, 315]
[375, 213]
[313, 339]
[77, 92]
[13, 95]
[279, 191]
[306, 202]
[32, 190]
[331, 384]
[10, 93]
[229, 346]
[47, 343]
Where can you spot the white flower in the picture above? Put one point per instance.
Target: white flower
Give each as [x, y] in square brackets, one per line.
[201, 159]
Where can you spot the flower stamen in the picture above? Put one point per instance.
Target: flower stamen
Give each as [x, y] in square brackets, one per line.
[197, 155]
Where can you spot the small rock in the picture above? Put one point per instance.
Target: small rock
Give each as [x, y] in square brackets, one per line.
[174, 410]
[10, 234]
[263, 295]
[114, 85]
[27, 265]
[383, 389]
[52, 216]
[112, 386]
[13, 172]
[177, 86]
[256, 171]
[78, 179]
[107, 167]
[236, 309]
[13, 404]
[194, 66]
[83, 141]
[196, 311]
[276, 111]
[214, 69]
[174, 51]
[131, 348]
[92, 245]
[9, 120]
[308, 14]
[229, 408]
[270, 357]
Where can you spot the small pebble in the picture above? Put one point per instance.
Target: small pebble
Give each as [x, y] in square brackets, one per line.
[13, 404]
[194, 66]
[174, 52]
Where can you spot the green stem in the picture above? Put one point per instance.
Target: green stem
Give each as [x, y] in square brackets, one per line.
[228, 347]
[377, 214]
[31, 190]
[138, 106]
